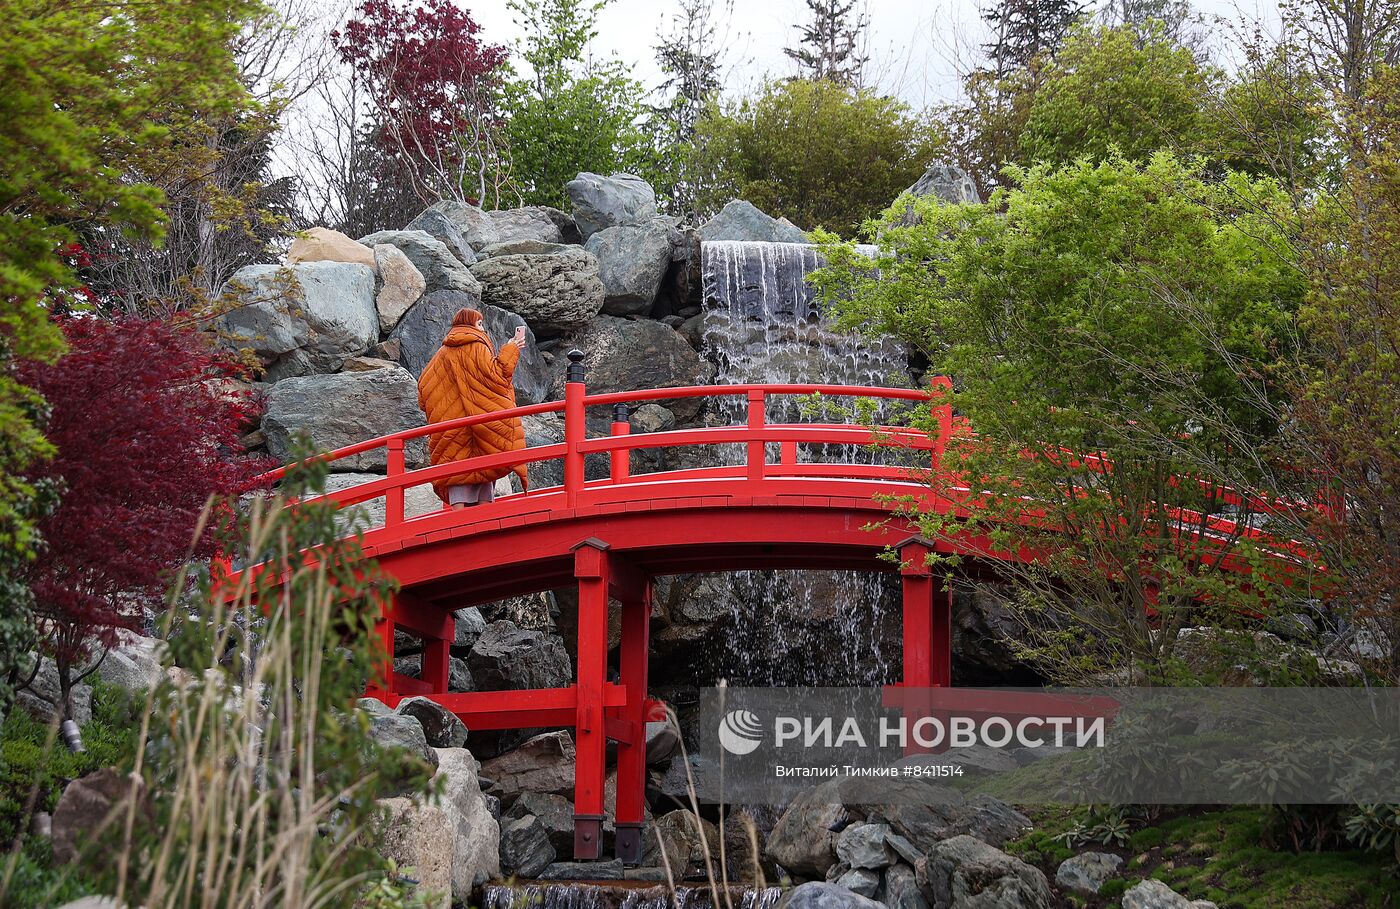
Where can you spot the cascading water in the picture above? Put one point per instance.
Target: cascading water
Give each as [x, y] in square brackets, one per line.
[762, 324]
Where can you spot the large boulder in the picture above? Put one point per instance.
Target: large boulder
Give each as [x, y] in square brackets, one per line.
[740, 220]
[931, 814]
[820, 895]
[344, 408]
[1153, 894]
[475, 225]
[525, 846]
[467, 627]
[507, 657]
[417, 500]
[440, 227]
[632, 260]
[89, 806]
[684, 839]
[321, 244]
[555, 814]
[388, 729]
[421, 837]
[601, 202]
[554, 293]
[535, 222]
[1087, 872]
[804, 839]
[42, 697]
[301, 319]
[544, 763]
[422, 329]
[947, 182]
[865, 846]
[476, 835]
[625, 354]
[440, 268]
[966, 873]
[400, 285]
[526, 248]
[442, 728]
[902, 889]
[133, 662]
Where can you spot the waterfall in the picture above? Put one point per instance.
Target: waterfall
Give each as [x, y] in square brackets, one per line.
[762, 324]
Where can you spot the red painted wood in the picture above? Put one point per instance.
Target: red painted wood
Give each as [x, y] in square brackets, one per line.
[632, 664]
[591, 559]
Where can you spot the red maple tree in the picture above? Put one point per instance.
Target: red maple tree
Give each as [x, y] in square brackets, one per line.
[432, 84]
[146, 432]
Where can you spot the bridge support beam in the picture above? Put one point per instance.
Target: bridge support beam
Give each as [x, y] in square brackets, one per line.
[632, 754]
[591, 570]
[928, 625]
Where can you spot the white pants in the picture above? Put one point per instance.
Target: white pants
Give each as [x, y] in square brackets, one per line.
[472, 494]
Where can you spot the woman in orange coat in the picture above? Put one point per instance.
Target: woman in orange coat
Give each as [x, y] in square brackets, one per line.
[464, 378]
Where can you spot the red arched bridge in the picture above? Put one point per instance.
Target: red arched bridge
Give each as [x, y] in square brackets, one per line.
[612, 537]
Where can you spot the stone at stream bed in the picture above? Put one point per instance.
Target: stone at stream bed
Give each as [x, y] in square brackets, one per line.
[525, 847]
[818, 895]
[677, 835]
[804, 839]
[865, 846]
[555, 814]
[344, 408]
[966, 872]
[475, 834]
[1153, 894]
[544, 763]
[420, 837]
[583, 871]
[441, 727]
[1086, 873]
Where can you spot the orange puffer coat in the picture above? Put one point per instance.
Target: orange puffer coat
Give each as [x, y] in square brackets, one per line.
[464, 378]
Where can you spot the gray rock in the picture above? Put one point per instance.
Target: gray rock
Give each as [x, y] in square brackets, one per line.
[441, 727]
[133, 663]
[555, 814]
[400, 285]
[395, 730]
[584, 871]
[459, 676]
[301, 319]
[1153, 894]
[40, 698]
[931, 814]
[865, 846]
[1086, 873]
[421, 837]
[440, 268]
[625, 355]
[632, 260]
[88, 805]
[651, 874]
[525, 847]
[602, 202]
[948, 182]
[476, 836]
[662, 741]
[443, 229]
[819, 895]
[740, 220]
[683, 838]
[553, 293]
[652, 418]
[966, 873]
[506, 656]
[417, 500]
[534, 222]
[468, 625]
[903, 848]
[475, 225]
[860, 880]
[544, 763]
[427, 322]
[374, 707]
[902, 889]
[804, 839]
[526, 248]
[344, 408]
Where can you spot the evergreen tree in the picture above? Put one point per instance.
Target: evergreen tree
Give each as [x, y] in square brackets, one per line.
[1027, 29]
[831, 43]
[690, 60]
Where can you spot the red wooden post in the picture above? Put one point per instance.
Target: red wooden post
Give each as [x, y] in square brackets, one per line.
[381, 683]
[590, 729]
[621, 458]
[757, 455]
[575, 427]
[788, 454]
[436, 653]
[393, 499]
[919, 620]
[632, 756]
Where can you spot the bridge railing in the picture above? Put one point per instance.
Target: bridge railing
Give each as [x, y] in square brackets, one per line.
[755, 434]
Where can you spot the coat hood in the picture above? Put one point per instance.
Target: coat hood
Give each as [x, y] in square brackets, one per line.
[466, 334]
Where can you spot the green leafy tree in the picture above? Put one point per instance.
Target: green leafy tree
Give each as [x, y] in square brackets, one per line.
[1105, 325]
[574, 112]
[1118, 89]
[816, 152]
[93, 94]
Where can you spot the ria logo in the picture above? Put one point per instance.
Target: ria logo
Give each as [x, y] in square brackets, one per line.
[740, 732]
